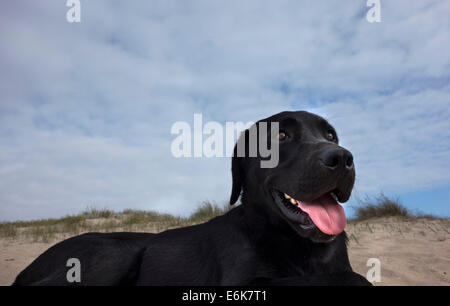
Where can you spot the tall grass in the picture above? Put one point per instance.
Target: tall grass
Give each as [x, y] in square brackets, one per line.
[380, 206]
[208, 210]
[105, 220]
[94, 213]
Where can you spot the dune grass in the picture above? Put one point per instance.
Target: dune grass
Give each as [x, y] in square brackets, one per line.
[208, 211]
[94, 213]
[105, 220]
[383, 206]
[380, 206]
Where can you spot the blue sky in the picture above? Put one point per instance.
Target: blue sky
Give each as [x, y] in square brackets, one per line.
[86, 109]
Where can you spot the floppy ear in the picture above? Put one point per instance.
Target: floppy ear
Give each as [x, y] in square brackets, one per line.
[237, 167]
[238, 177]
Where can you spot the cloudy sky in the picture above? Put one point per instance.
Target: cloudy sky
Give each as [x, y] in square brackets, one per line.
[86, 108]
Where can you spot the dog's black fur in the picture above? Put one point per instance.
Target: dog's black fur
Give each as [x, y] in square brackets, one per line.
[255, 243]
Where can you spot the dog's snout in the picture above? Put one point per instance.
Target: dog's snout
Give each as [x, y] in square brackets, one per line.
[336, 158]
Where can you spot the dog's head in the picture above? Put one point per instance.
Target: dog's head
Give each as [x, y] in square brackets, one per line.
[313, 174]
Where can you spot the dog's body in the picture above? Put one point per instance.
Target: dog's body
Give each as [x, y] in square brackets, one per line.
[256, 243]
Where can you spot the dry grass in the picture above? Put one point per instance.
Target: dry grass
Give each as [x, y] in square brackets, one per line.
[382, 206]
[208, 211]
[94, 213]
[104, 220]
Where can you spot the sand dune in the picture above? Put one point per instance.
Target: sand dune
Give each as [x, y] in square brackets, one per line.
[410, 251]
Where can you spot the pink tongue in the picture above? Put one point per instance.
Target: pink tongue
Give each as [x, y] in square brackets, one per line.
[326, 214]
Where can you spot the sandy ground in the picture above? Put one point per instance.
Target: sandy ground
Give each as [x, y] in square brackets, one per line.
[415, 252]
[410, 252]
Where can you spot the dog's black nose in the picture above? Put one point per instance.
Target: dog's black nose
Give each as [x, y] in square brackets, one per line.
[335, 158]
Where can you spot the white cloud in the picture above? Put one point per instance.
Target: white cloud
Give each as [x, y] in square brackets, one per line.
[400, 141]
[86, 109]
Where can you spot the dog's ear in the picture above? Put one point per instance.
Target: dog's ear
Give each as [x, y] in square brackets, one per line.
[237, 169]
[238, 177]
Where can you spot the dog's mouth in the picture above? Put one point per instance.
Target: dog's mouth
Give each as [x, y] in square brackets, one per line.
[323, 213]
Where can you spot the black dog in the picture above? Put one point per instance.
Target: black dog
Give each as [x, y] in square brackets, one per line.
[288, 230]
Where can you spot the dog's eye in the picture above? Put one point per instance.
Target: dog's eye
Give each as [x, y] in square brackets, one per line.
[330, 136]
[282, 136]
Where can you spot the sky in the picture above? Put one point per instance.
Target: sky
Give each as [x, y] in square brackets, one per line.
[86, 109]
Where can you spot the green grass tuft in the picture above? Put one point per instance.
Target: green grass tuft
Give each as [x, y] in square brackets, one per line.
[380, 206]
[104, 220]
[8, 230]
[208, 210]
[94, 213]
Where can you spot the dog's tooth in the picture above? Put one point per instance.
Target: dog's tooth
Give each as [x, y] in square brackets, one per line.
[287, 196]
[334, 196]
[293, 201]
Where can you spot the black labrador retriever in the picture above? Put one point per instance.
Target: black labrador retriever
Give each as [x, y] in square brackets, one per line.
[289, 229]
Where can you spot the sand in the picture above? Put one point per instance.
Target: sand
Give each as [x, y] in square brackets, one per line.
[410, 251]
